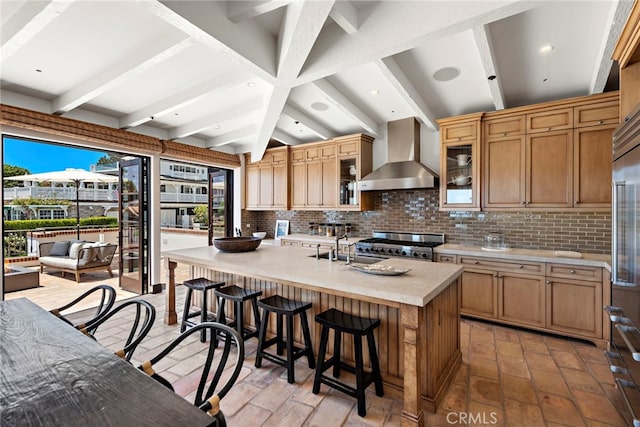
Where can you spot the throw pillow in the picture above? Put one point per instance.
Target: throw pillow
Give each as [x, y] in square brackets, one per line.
[90, 253]
[59, 249]
[74, 249]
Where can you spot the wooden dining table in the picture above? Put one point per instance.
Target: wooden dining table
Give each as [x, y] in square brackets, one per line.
[53, 375]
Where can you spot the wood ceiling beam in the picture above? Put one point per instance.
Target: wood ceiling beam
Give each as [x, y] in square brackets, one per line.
[615, 23]
[184, 98]
[249, 46]
[231, 137]
[398, 79]
[389, 29]
[484, 44]
[276, 99]
[342, 103]
[310, 123]
[134, 64]
[238, 11]
[26, 22]
[210, 121]
[346, 16]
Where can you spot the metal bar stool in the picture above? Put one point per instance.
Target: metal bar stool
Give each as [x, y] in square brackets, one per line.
[284, 307]
[238, 295]
[358, 327]
[201, 284]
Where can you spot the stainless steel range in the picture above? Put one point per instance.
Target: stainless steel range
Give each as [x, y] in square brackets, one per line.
[412, 245]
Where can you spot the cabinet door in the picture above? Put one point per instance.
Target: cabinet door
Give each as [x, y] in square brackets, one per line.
[592, 160]
[601, 113]
[504, 172]
[298, 185]
[467, 131]
[478, 293]
[549, 157]
[521, 299]
[574, 306]
[280, 190]
[314, 183]
[252, 188]
[504, 126]
[329, 183]
[266, 185]
[550, 120]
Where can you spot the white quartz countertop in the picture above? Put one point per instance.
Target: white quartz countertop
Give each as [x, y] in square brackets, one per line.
[295, 266]
[594, 260]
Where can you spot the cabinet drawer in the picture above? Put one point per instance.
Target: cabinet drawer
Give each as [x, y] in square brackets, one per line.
[297, 155]
[328, 151]
[496, 264]
[452, 259]
[289, 243]
[546, 121]
[507, 126]
[575, 272]
[312, 153]
[348, 148]
[596, 114]
[323, 246]
[459, 132]
[278, 156]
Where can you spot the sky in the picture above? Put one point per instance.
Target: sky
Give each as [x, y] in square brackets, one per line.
[41, 157]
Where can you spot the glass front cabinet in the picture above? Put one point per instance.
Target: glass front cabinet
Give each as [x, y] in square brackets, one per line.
[460, 162]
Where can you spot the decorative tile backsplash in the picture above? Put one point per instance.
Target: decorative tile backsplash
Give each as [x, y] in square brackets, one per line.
[417, 211]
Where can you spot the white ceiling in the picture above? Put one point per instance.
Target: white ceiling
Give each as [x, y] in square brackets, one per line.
[233, 75]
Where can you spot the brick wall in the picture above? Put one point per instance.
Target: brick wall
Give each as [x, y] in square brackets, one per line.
[417, 211]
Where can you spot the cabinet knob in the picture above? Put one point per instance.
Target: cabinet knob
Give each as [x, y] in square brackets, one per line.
[523, 202]
[577, 202]
[476, 262]
[496, 275]
[522, 266]
[504, 134]
[600, 122]
[548, 282]
[573, 272]
[548, 129]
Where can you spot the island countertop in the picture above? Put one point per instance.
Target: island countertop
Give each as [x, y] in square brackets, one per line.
[423, 282]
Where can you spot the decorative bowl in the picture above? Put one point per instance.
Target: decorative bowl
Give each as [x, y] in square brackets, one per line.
[260, 234]
[236, 244]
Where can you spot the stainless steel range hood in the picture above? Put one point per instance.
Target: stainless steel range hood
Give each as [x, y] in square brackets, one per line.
[403, 169]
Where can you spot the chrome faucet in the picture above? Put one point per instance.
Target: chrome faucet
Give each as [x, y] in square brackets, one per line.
[346, 238]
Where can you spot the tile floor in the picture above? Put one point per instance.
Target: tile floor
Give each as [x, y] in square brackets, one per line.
[509, 377]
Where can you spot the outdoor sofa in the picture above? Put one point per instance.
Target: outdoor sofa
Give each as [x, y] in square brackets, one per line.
[76, 257]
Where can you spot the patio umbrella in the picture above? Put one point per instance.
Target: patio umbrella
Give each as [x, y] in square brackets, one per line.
[75, 176]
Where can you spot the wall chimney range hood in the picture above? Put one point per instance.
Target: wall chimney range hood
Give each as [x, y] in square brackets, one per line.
[403, 170]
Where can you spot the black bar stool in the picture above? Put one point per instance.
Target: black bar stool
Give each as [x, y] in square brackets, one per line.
[358, 327]
[289, 308]
[238, 295]
[201, 284]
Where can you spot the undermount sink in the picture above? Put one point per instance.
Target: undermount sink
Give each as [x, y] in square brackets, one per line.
[358, 258]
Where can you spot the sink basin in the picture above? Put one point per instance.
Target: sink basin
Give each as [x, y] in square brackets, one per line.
[358, 258]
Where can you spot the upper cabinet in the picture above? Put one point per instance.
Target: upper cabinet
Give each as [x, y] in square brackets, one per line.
[551, 156]
[627, 53]
[316, 176]
[459, 164]
[266, 181]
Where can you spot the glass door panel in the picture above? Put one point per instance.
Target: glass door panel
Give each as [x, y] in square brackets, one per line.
[348, 182]
[459, 174]
[133, 236]
[220, 203]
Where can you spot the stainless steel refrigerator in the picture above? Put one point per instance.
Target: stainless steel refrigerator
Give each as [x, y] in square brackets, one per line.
[624, 355]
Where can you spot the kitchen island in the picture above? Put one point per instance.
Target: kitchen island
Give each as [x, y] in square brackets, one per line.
[419, 337]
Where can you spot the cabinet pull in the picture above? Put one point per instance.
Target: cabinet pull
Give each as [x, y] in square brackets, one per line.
[600, 122]
[577, 202]
[476, 262]
[573, 272]
[522, 266]
[622, 386]
[523, 202]
[458, 139]
[548, 282]
[504, 134]
[548, 129]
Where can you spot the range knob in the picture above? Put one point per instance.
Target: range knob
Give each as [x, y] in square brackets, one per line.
[367, 249]
[397, 251]
[415, 254]
[424, 255]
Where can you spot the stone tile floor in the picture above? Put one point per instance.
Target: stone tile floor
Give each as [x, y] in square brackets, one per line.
[509, 377]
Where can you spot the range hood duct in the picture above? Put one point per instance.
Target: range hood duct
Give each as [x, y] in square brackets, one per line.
[403, 171]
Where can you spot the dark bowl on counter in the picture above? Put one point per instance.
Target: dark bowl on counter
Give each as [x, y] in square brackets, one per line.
[236, 244]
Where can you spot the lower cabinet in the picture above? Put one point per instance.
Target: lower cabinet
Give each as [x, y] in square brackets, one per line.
[558, 298]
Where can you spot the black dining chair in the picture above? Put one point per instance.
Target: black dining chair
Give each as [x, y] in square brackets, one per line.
[107, 299]
[217, 363]
[145, 315]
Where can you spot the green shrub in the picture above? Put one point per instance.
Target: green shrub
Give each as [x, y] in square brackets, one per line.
[31, 224]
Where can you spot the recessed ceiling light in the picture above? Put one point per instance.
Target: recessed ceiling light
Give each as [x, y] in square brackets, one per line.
[176, 114]
[251, 84]
[545, 49]
[319, 106]
[38, 70]
[375, 92]
[445, 74]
